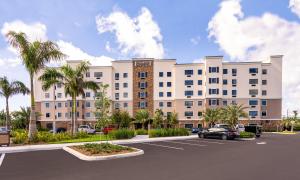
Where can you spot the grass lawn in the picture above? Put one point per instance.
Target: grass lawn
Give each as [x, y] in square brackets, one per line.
[285, 132]
[91, 138]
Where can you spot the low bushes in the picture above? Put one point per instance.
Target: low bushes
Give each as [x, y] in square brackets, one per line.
[106, 148]
[19, 137]
[245, 134]
[141, 132]
[168, 132]
[121, 134]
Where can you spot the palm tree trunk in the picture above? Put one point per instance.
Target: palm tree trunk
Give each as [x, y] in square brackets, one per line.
[32, 122]
[7, 114]
[74, 118]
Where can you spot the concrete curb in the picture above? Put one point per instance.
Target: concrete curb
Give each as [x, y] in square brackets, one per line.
[43, 147]
[245, 139]
[101, 158]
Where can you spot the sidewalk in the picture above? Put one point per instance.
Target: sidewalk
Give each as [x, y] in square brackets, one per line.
[27, 148]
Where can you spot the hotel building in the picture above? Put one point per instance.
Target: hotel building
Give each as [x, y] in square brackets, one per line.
[188, 89]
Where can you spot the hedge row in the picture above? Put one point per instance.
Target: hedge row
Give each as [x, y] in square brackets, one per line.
[168, 132]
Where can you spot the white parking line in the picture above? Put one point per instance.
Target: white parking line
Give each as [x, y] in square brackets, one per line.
[158, 145]
[204, 141]
[1, 159]
[200, 145]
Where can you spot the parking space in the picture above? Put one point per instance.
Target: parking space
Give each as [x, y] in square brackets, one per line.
[208, 159]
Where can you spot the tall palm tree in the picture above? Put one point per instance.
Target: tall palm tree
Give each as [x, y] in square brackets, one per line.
[34, 56]
[233, 113]
[212, 116]
[142, 116]
[158, 118]
[8, 89]
[73, 81]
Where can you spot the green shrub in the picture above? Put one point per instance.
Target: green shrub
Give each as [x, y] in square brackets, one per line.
[16, 131]
[245, 134]
[141, 132]
[168, 132]
[103, 148]
[81, 134]
[121, 134]
[50, 137]
[19, 137]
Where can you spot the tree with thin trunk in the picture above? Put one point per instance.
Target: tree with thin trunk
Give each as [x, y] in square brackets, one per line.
[158, 118]
[102, 105]
[142, 116]
[7, 90]
[234, 113]
[20, 118]
[73, 81]
[34, 56]
[173, 119]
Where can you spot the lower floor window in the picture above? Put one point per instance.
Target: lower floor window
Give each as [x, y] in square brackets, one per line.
[264, 113]
[188, 126]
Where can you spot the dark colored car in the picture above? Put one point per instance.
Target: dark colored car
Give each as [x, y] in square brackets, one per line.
[254, 128]
[195, 130]
[223, 132]
[59, 130]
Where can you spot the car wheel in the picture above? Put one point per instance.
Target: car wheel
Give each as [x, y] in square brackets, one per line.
[224, 137]
[201, 136]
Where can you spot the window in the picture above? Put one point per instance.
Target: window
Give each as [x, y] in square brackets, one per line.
[142, 75]
[59, 105]
[59, 85]
[125, 85]
[213, 102]
[161, 104]
[125, 75]
[188, 93]
[264, 113]
[47, 95]
[142, 85]
[87, 74]
[125, 95]
[98, 75]
[161, 94]
[66, 104]
[224, 103]
[169, 84]
[59, 95]
[161, 84]
[264, 92]
[169, 94]
[233, 102]
[188, 126]
[263, 102]
[87, 94]
[253, 81]
[117, 76]
[59, 114]
[169, 74]
[234, 82]
[188, 103]
[213, 80]
[87, 104]
[161, 74]
[142, 104]
[117, 105]
[253, 113]
[225, 82]
[66, 115]
[125, 105]
[47, 115]
[225, 71]
[117, 96]
[233, 93]
[253, 70]
[199, 113]
[87, 115]
[188, 113]
[47, 105]
[199, 71]
[200, 93]
[188, 72]
[200, 103]
[188, 82]
[117, 86]
[213, 69]
[264, 71]
[253, 102]
[169, 104]
[253, 92]
[225, 92]
[213, 91]
[142, 94]
[199, 82]
[264, 82]
[234, 72]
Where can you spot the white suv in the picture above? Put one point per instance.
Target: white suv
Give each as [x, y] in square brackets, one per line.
[87, 129]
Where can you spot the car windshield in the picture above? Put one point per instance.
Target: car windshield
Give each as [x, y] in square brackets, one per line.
[222, 126]
[83, 126]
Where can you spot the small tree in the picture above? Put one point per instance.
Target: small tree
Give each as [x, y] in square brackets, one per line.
[102, 105]
[212, 116]
[294, 119]
[2, 118]
[142, 116]
[173, 119]
[233, 113]
[158, 118]
[21, 118]
[121, 118]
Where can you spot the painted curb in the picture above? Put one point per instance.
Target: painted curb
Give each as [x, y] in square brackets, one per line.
[245, 139]
[44, 147]
[101, 158]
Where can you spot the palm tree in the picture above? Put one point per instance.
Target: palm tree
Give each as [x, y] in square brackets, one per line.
[173, 119]
[233, 113]
[8, 89]
[142, 116]
[34, 57]
[212, 116]
[73, 81]
[21, 118]
[158, 118]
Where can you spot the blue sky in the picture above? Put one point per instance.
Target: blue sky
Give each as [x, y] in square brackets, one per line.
[183, 31]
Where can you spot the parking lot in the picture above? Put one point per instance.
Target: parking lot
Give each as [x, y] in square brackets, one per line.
[270, 157]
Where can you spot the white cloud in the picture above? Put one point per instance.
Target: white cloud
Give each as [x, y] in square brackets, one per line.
[295, 7]
[138, 36]
[195, 40]
[107, 47]
[258, 37]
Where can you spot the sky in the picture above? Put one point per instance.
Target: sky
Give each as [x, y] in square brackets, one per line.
[104, 30]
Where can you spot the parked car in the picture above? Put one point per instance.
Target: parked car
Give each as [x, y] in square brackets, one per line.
[106, 130]
[240, 127]
[58, 130]
[195, 130]
[254, 128]
[219, 131]
[87, 129]
[3, 130]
